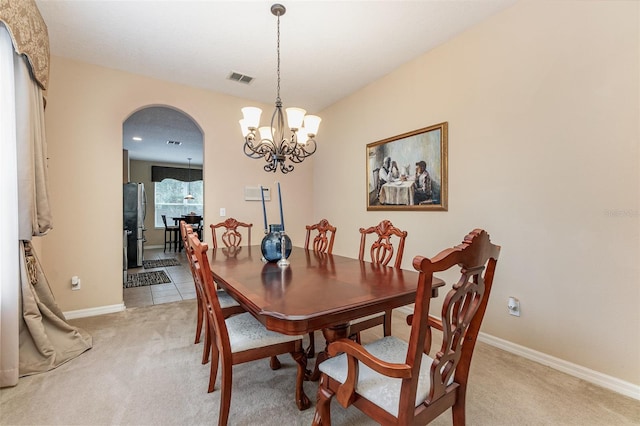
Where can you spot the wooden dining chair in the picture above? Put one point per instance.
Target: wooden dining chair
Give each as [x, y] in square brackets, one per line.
[321, 243]
[195, 221]
[398, 383]
[228, 304]
[381, 252]
[231, 237]
[170, 235]
[241, 338]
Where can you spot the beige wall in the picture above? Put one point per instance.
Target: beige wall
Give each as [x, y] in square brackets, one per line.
[542, 103]
[86, 107]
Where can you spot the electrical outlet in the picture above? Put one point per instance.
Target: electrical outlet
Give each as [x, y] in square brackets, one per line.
[75, 283]
[223, 212]
[514, 306]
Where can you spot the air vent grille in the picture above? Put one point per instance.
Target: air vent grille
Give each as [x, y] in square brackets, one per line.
[241, 78]
[176, 143]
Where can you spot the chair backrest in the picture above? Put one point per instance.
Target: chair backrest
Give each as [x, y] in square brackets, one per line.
[184, 233]
[462, 313]
[461, 316]
[382, 250]
[205, 280]
[231, 237]
[164, 220]
[321, 243]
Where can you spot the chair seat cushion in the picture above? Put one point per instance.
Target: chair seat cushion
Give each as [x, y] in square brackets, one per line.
[381, 390]
[246, 332]
[226, 300]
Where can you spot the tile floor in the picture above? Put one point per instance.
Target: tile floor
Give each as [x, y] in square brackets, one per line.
[181, 286]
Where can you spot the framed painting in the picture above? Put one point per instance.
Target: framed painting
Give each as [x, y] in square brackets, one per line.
[409, 171]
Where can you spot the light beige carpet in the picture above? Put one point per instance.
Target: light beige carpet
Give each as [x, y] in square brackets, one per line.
[145, 370]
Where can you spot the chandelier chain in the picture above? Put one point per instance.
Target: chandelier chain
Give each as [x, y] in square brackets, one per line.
[278, 49]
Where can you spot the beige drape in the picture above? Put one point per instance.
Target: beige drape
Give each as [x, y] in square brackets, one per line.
[33, 189]
[30, 41]
[29, 35]
[33, 332]
[46, 340]
[9, 247]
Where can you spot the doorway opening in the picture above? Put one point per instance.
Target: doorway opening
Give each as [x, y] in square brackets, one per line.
[163, 161]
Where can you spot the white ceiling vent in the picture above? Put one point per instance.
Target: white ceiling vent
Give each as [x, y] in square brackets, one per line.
[176, 143]
[241, 78]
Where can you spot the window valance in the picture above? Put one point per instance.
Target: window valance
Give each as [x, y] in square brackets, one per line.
[29, 35]
[159, 173]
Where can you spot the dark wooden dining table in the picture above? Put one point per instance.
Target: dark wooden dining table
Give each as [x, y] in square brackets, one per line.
[194, 220]
[315, 292]
[189, 218]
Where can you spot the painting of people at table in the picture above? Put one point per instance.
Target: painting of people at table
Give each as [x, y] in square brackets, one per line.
[422, 184]
[409, 171]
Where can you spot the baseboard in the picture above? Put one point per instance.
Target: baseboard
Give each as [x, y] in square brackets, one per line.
[91, 312]
[153, 247]
[608, 382]
[591, 376]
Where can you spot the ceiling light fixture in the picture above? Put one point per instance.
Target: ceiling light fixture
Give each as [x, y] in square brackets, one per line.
[273, 145]
[136, 138]
[189, 196]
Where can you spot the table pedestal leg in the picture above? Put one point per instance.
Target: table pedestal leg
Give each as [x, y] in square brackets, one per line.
[302, 400]
[331, 334]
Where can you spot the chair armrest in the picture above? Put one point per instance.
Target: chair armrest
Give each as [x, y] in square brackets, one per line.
[431, 320]
[356, 353]
[409, 319]
[434, 322]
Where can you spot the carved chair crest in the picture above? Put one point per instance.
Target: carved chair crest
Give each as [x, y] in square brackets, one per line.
[231, 237]
[382, 249]
[322, 243]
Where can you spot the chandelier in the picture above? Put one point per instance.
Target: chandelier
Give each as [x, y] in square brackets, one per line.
[276, 143]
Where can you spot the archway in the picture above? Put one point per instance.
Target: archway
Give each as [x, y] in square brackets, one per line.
[163, 151]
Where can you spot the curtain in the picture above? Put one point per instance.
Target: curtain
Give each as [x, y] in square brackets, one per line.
[33, 332]
[159, 173]
[46, 339]
[29, 35]
[33, 189]
[9, 246]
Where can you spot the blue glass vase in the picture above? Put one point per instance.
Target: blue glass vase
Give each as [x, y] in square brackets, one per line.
[272, 244]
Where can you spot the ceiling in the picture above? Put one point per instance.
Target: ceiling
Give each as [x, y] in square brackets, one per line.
[168, 136]
[329, 49]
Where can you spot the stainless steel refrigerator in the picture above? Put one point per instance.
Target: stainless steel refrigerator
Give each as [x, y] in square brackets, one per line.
[135, 209]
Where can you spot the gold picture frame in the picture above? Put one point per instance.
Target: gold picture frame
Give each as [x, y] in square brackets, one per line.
[409, 171]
